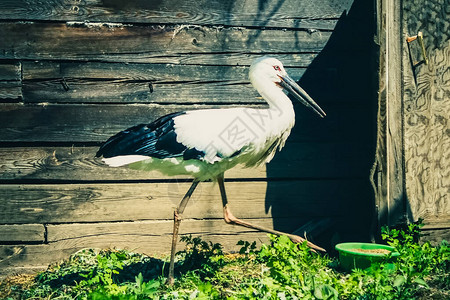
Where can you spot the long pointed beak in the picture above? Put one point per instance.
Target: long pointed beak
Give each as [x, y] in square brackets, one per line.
[295, 90]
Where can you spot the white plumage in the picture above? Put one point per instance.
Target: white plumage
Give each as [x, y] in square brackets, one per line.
[206, 143]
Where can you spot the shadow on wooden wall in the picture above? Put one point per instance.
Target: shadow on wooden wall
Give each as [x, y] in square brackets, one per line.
[331, 157]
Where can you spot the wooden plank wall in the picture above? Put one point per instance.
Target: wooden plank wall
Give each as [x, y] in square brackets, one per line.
[426, 99]
[388, 169]
[413, 141]
[72, 73]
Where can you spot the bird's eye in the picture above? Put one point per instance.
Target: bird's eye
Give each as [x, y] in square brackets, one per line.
[277, 68]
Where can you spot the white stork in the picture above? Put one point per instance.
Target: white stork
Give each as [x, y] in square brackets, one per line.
[205, 143]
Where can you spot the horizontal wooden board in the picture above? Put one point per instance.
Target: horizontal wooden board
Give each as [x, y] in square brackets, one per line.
[287, 14]
[143, 232]
[10, 71]
[154, 72]
[96, 123]
[134, 43]
[436, 221]
[94, 82]
[10, 90]
[131, 83]
[211, 59]
[54, 203]
[10, 77]
[157, 73]
[123, 91]
[22, 233]
[296, 160]
[435, 236]
[79, 164]
[20, 270]
[149, 237]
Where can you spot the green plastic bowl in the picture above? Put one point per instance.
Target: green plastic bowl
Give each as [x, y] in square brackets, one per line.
[362, 255]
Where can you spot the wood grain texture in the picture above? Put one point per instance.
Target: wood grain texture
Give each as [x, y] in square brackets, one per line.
[296, 160]
[378, 171]
[96, 123]
[134, 43]
[391, 198]
[434, 221]
[66, 203]
[427, 111]
[10, 71]
[79, 164]
[22, 233]
[286, 14]
[10, 90]
[296, 59]
[413, 127]
[155, 236]
[435, 236]
[138, 83]
[104, 82]
[10, 81]
[150, 237]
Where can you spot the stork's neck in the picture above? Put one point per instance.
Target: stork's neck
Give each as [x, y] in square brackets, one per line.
[277, 99]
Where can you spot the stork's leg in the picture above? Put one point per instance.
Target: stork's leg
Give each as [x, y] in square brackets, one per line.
[230, 219]
[176, 225]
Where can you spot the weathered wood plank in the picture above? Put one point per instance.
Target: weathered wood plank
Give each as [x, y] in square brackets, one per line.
[150, 237]
[435, 236]
[154, 72]
[297, 59]
[390, 197]
[64, 119]
[53, 203]
[427, 139]
[20, 270]
[131, 43]
[22, 233]
[10, 71]
[79, 163]
[10, 77]
[12, 260]
[86, 82]
[414, 112]
[157, 73]
[119, 82]
[10, 90]
[209, 59]
[296, 160]
[142, 232]
[130, 83]
[83, 123]
[123, 91]
[287, 14]
[438, 221]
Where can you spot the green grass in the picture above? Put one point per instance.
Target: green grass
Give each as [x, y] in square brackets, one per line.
[281, 270]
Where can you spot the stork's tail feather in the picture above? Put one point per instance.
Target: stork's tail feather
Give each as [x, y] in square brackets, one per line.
[157, 139]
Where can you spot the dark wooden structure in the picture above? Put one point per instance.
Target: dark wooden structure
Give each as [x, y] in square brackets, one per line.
[411, 171]
[74, 72]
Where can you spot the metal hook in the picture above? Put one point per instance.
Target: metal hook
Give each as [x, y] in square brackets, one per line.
[419, 37]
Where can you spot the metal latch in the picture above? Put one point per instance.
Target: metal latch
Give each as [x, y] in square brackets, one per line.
[419, 38]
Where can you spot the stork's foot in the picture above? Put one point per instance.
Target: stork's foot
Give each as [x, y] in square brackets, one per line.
[298, 239]
[231, 219]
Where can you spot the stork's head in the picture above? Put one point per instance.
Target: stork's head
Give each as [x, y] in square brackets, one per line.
[270, 71]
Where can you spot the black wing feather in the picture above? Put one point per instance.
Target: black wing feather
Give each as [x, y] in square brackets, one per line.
[157, 139]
